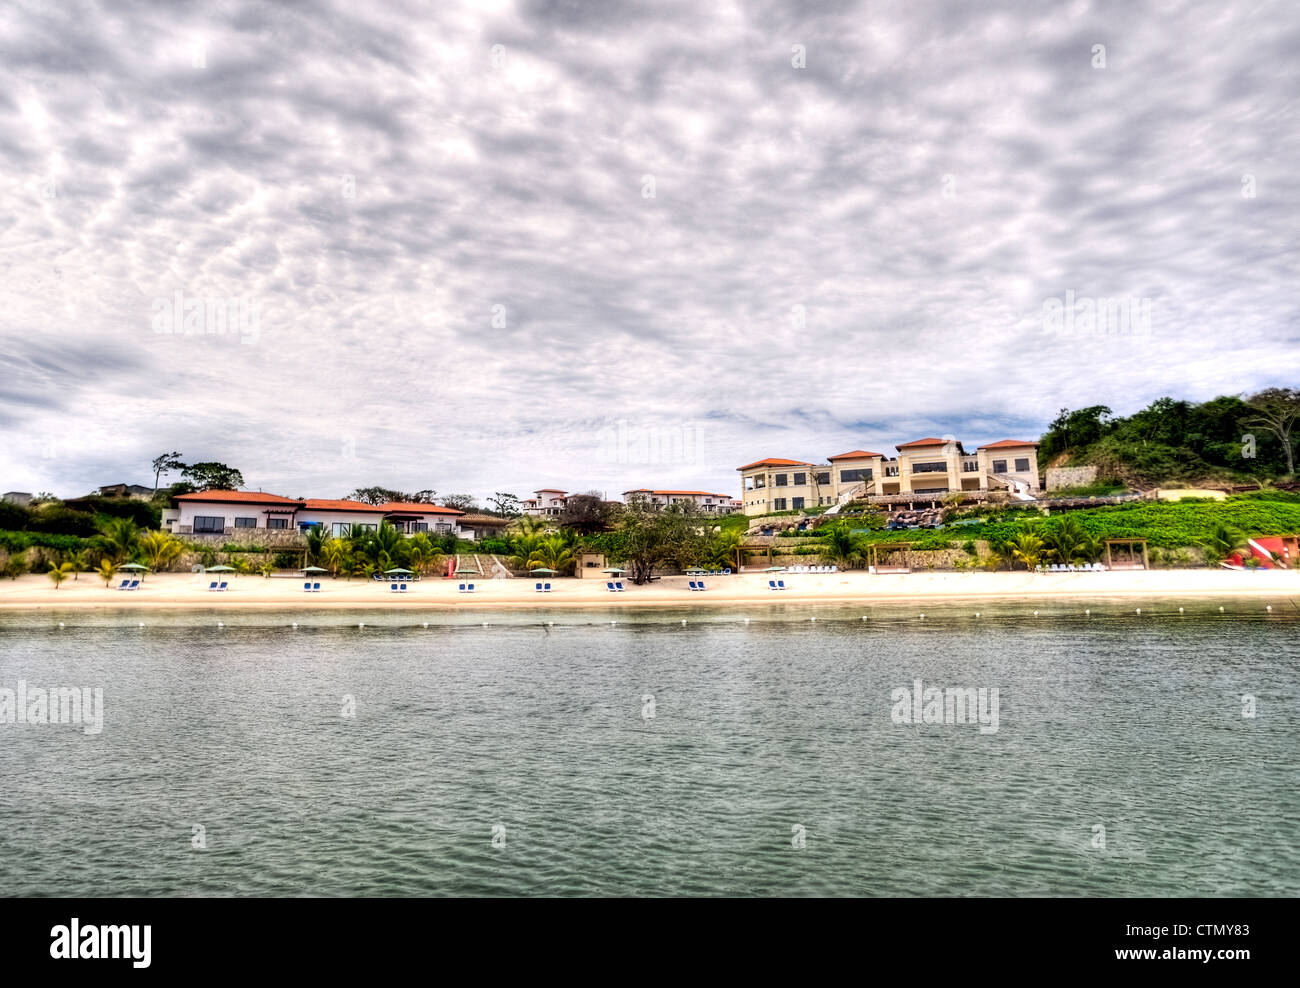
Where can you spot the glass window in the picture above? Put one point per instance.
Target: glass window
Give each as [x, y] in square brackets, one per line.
[797, 503]
[1022, 465]
[208, 523]
[781, 478]
[245, 522]
[778, 504]
[854, 476]
[277, 523]
[800, 479]
[999, 466]
[338, 528]
[421, 526]
[824, 478]
[929, 468]
[891, 471]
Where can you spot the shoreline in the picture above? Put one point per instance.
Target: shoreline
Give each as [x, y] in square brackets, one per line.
[178, 592]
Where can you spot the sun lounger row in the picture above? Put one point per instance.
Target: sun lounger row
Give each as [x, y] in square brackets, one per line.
[129, 585]
[776, 585]
[1064, 568]
[465, 587]
[311, 588]
[543, 588]
[214, 585]
[812, 569]
[616, 587]
[698, 585]
[726, 571]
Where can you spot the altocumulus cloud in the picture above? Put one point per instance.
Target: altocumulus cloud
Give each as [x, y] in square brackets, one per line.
[483, 237]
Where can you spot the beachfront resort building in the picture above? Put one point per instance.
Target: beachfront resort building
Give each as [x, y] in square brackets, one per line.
[232, 513]
[922, 467]
[704, 502]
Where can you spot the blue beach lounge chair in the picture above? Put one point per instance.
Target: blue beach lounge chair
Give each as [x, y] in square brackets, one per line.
[618, 585]
[315, 588]
[546, 588]
[538, 588]
[224, 585]
[610, 588]
[306, 587]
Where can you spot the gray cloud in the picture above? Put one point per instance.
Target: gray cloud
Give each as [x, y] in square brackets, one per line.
[388, 189]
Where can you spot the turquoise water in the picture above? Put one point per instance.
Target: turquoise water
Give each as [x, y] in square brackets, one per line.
[1133, 723]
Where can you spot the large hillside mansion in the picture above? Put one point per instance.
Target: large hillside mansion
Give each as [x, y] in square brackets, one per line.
[923, 466]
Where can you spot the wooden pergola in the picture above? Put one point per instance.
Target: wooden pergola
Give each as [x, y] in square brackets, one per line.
[878, 551]
[1133, 546]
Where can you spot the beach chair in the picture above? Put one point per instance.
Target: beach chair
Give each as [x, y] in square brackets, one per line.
[546, 588]
[726, 571]
[401, 588]
[211, 586]
[460, 587]
[315, 588]
[306, 587]
[780, 584]
[618, 586]
[835, 568]
[124, 584]
[771, 584]
[134, 584]
[392, 588]
[701, 586]
[224, 585]
[610, 588]
[538, 588]
[469, 588]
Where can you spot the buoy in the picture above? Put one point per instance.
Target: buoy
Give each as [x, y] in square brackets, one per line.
[295, 624]
[1087, 612]
[426, 624]
[1220, 610]
[485, 624]
[60, 624]
[613, 622]
[812, 619]
[221, 624]
[1138, 611]
[977, 613]
[922, 617]
[140, 625]
[1268, 608]
[1035, 614]
[683, 620]
[1180, 610]
[361, 624]
[549, 624]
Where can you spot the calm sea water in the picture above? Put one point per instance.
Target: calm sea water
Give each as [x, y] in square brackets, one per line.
[1131, 723]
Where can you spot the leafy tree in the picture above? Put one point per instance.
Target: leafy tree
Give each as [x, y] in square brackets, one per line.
[382, 495]
[317, 538]
[165, 463]
[121, 536]
[212, 476]
[1278, 410]
[646, 538]
[585, 513]
[504, 504]
[1027, 548]
[841, 545]
[15, 566]
[59, 573]
[552, 553]
[159, 549]
[106, 571]
[1074, 430]
[461, 502]
[1221, 543]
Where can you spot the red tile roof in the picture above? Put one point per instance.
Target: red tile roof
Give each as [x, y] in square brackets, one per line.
[1007, 444]
[239, 497]
[417, 508]
[773, 462]
[647, 490]
[930, 441]
[856, 454]
[326, 504]
[549, 490]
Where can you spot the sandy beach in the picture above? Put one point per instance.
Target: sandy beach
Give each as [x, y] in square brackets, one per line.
[187, 591]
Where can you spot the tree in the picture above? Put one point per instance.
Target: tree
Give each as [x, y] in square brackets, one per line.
[1027, 548]
[1221, 543]
[841, 545]
[122, 536]
[505, 504]
[317, 539]
[585, 513]
[165, 464]
[212, 476]
[106, 571]
[725, 549]
[1074, 430]
[461, 502]
[1278, 409]
[382, 495]
[647, 537]
[159, 549]
[552, 553]
[59, 573]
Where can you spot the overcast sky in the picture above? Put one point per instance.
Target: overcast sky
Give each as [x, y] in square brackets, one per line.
[634, 245]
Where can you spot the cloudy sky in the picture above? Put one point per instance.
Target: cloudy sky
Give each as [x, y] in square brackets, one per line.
[502, 245]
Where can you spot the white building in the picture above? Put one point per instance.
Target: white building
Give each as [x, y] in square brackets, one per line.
[232, 512]
[705, 502]
[548, 503]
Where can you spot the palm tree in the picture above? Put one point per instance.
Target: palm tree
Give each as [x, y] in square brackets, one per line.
[122, 535]
[241, 565]
[386, 545]
[80, 561]
[528, 525]
[336, 557]
[524, 547]
[725, 549]
[424, 554]
[106, 571]
[317, 539]
[841, 545]
[59, 573]
[1027, 547]
[159, 549]
[1221, 543]
[552, 553]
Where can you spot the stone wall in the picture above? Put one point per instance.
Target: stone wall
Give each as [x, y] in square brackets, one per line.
[1059, 478]
[271, 538]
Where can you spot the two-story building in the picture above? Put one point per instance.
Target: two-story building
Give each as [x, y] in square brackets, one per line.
[546, 503]
[923, 466]
[704, 502]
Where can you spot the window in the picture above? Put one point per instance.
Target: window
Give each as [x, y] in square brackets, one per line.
[207, 523]
[824, 478]
[891, 471]
[245, 522]
[339, 528]
[796, 503]
[781, 478]
[971, 466]
[1022, 465]
[929, 468]
[800, 479]
[277, 523]
[999, 466]
[853, 476]
[778, 504]
[759, 482]
[421, 526]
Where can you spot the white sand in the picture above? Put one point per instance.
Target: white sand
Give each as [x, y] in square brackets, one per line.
[185, 591]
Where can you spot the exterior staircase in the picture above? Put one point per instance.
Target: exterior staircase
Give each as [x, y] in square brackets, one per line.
[852, 494]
